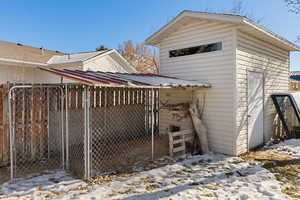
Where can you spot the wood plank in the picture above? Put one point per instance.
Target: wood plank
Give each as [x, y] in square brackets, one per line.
[1, 126]
[97, 99]
[178, 149]
[171, 146]
[92, 97]
[178, 141]
[183, 132]
[5, 125]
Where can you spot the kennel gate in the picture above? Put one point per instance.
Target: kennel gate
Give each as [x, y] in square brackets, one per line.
[36, 126]
[109, 128]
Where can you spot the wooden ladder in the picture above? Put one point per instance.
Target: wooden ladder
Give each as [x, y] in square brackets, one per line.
[178, 139]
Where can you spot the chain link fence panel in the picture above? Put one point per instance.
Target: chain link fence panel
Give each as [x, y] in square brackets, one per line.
[120, 131]
[75, 130]
[107, 129]
[36, 129]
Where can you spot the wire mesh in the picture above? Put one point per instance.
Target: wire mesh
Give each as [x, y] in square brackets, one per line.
[36, 129]
[107, 129]
[76, 129]
[121, 129]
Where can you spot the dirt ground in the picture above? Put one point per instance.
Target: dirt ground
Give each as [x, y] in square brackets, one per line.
[123, 157]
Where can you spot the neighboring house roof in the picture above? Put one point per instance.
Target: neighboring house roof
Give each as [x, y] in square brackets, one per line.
[76, 57]
[109, 79]
[243, 23]
[14, 52]
[85, 58]
[27, 56]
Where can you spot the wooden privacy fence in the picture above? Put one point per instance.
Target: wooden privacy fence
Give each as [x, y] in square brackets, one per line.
[294, 85]
[4, 126]
[30, 113]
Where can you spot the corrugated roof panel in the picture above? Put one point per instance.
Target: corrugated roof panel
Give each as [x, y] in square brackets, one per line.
[126, 80]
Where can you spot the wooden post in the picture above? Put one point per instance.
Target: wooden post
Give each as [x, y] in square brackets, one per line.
[199, 127]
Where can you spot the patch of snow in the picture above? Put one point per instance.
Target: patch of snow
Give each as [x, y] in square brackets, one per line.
[211, 176]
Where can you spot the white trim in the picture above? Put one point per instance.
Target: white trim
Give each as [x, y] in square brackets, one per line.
[236, 19]
[122, 58]
[13, 61]
[235, 90]
[98, 55]
[265, 31]
[129, 66]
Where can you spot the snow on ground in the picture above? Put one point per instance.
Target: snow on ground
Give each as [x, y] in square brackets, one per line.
[211, 176]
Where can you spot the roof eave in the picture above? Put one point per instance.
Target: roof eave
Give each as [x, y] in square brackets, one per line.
[155, 40]
[283, 42]
[64, 63]
[152, 40]
[20, 63]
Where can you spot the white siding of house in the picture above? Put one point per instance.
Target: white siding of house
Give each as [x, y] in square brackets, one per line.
[107, 63]
[10, 74]
[258, 56]
[214, 67]
[18, 74]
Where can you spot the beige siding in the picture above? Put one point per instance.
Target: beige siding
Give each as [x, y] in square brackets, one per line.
[214, 67]
[19, 74]
[12, 74]
[259, 56]
[107, 63]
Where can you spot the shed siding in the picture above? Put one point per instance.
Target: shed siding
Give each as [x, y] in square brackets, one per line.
[258, 56]
[214, 67]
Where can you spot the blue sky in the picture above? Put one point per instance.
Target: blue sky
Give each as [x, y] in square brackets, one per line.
[75, 26]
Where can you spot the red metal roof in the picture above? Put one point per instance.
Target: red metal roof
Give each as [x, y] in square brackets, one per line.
[125, 80]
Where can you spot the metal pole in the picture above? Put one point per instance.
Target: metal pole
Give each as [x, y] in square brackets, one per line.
[11, 131]
[48, 121]
[62, 128]
[152, 122]
[86, 133]
[67, 126]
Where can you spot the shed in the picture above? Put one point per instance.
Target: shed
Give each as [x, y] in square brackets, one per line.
[244, 62]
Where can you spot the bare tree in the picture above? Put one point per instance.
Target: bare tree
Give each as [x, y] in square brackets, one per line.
[293, 5]
[143, 58]
[101, 48]
[240, 8]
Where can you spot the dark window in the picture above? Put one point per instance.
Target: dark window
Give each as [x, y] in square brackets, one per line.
[197, 49]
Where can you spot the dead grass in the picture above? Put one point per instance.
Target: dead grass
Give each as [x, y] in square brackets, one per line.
[285, 168]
